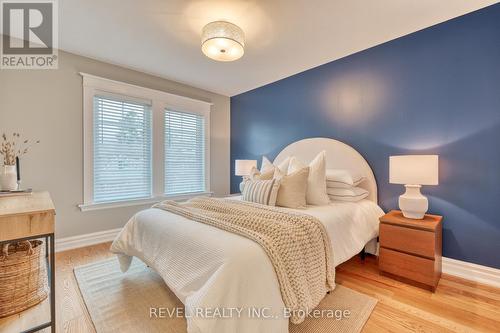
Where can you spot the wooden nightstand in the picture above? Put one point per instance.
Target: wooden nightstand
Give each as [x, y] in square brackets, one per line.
[410, 250]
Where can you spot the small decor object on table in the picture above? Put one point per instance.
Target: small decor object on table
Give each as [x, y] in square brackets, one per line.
[8, 178]
[11, 149]
[27, 191]
[410, 250]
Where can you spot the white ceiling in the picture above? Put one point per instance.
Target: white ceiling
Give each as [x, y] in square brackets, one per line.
[283, 37]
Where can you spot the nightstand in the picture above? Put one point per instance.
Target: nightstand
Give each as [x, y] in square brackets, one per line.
[410, 250]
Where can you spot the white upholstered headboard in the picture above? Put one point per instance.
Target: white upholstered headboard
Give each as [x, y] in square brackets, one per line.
[338, 156]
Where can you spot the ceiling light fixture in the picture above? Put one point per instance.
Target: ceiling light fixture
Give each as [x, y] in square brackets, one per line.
[222, 41]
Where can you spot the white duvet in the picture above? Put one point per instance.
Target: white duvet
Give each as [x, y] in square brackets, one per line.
[218, 274]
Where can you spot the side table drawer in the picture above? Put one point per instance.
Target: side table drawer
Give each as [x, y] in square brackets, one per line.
[411, 267]
[21, 226]
[409, 240]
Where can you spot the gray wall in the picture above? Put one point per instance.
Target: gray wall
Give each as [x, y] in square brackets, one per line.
[47, 105]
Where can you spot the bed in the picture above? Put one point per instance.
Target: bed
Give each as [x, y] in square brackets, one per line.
[210, 269]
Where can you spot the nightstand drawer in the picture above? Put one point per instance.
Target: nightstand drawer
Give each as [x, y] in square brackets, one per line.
[408, 240]
[408, 266]
[20, 226]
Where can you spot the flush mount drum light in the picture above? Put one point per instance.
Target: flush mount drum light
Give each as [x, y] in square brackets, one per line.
[222, 41]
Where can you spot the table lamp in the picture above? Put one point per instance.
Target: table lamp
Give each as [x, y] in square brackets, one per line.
[413, 171]
[243, 168]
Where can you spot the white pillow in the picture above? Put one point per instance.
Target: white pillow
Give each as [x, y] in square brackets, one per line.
[316, 181]
[293, 188]
[255, 174]
[267, 165]
[347, 194]
[339, 178]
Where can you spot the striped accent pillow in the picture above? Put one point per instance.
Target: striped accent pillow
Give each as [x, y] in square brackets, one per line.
[261, 191]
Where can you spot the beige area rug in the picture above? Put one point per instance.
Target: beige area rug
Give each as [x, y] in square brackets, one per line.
[121, 302]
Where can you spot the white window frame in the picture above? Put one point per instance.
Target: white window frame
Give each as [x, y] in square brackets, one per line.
[159, 101]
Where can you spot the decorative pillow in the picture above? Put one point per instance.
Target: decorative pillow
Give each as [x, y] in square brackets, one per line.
[255, 174]
[347, 194]
[293, 187]
[267, 165]
[339, 178]
[316, 181]
[261, 191]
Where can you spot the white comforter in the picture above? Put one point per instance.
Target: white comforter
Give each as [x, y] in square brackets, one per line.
[213, 270]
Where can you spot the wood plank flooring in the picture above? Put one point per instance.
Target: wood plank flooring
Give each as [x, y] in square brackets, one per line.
[457, 306]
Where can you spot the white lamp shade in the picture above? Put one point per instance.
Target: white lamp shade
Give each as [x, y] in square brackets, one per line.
[414, 169]
[222, 41]
[244, 167]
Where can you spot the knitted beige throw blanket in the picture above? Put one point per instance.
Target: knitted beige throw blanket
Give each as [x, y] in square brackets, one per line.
[297, 245]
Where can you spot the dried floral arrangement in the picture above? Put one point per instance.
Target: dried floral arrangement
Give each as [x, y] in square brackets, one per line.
[13, 147]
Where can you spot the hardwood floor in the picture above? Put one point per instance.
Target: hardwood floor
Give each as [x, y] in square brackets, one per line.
[457, 305]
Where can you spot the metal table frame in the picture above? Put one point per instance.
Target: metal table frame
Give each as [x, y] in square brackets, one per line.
[50, 259]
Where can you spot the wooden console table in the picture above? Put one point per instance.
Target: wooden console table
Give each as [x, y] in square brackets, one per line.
[29, 217]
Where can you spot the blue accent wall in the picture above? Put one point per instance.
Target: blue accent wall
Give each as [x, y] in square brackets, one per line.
[436, 91]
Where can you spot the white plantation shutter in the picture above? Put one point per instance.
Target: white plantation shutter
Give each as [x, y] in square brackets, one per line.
[122, 149]
[184, 152]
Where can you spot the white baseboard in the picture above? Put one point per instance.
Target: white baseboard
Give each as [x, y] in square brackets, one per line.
[472, 272]
[74, 242]
[466, 270]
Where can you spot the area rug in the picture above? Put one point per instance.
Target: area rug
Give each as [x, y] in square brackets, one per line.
[121, 302]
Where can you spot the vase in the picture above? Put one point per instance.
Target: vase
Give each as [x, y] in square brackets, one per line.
[8, 178]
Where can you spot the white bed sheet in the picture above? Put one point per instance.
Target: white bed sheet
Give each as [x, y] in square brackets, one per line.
[350, 225]
[209, 268]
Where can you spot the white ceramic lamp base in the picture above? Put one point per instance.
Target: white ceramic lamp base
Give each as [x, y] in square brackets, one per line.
[412, 203]
[242, 184]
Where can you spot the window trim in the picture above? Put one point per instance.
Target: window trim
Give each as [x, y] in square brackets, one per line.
[160, 100]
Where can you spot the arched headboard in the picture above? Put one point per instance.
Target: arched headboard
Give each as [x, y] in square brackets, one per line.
[338, 156]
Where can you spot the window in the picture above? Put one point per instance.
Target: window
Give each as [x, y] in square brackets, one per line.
[137, 149]
[122, 150]
[184, 152]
